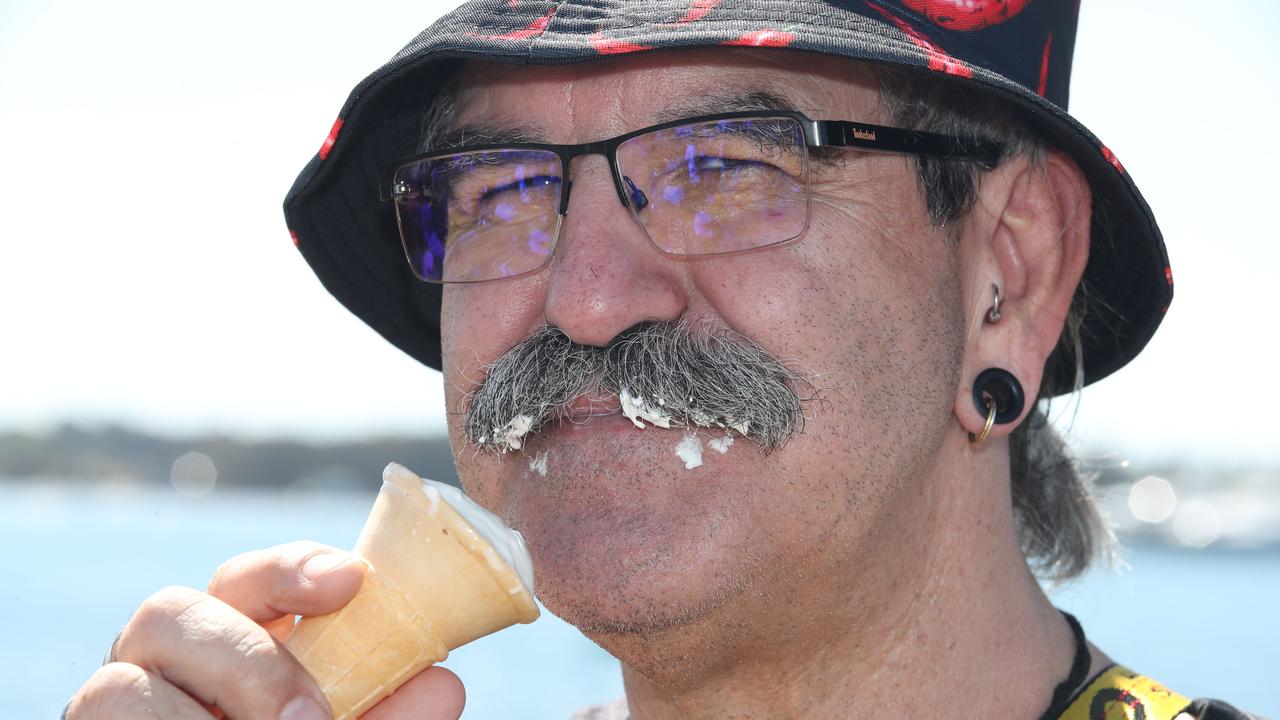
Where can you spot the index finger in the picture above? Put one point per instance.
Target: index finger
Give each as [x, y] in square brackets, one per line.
[300, 578]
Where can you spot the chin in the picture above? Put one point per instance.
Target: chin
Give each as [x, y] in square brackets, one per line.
[621, 546]
[634, 581]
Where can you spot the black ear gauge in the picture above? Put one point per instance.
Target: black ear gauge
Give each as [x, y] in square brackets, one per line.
[998, 396]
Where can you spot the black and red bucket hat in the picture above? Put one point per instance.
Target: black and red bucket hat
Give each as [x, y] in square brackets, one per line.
[1017, 51]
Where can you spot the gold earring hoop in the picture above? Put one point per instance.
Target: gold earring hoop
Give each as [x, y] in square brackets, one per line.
[986, 429]
[993, 315]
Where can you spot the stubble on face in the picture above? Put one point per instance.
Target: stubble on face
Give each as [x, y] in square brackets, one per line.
[626, 540]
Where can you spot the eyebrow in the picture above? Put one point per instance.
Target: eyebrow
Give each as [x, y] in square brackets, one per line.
[727, 103]
[479, 134]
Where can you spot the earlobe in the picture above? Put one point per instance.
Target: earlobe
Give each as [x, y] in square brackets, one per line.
[998, 396]
[1034, 249]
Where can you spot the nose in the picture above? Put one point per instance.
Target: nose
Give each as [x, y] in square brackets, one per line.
[606, 276]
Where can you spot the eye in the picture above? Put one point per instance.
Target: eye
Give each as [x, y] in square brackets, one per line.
[720, 171]
[518, 201]
[494, 199]
[714, 162]
[523, 186]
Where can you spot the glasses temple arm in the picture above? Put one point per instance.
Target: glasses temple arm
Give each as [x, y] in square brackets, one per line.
[878, 138]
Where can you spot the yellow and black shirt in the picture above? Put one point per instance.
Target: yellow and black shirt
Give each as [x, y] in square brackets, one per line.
[1118, 693]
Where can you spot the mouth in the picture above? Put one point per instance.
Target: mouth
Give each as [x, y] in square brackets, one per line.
[610, 413]
[592, 411]
[585, 407]
[607, 423]
[640, 411]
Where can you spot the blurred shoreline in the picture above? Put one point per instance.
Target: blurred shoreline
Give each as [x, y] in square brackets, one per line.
[197, 464]
[1187, 505]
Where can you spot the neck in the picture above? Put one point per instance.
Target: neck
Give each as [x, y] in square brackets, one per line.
[931, 612]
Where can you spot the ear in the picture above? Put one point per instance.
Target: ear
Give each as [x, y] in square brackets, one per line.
[1028, 234]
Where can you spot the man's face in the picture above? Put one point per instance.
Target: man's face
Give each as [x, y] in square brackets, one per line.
[865, 305]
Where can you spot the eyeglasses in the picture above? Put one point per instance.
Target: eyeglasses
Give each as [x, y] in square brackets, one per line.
[711, 185]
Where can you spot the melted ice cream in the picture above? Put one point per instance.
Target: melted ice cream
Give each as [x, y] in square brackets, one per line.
[539, 463]
[507, 542]
[511, 437]
[636, 408]
[690, 451]
[721, 444]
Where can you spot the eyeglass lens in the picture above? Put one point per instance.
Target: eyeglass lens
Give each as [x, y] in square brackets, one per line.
[700, 189]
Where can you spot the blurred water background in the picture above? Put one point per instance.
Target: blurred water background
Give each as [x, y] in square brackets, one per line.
[1195, 609]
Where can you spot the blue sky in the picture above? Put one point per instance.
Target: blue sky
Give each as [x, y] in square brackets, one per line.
[146, 275]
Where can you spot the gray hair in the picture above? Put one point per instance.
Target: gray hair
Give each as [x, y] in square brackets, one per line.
[678, 372]
[1058, 524]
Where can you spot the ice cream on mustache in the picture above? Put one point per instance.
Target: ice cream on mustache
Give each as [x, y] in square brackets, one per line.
[511, 435]
[666, 375]
[637, 409]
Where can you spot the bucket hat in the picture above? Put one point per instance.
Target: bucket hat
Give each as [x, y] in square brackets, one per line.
[1016, 51]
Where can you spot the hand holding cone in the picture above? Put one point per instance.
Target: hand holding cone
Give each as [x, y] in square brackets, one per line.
[433, 583]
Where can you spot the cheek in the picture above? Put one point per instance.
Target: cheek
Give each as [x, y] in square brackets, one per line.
[759, 295]
[480, 322]
[477, 324]
[901, 310]
[866, 303]
[871, 217]
[868, 260]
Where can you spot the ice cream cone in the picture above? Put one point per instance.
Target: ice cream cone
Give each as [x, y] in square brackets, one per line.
[433, 583]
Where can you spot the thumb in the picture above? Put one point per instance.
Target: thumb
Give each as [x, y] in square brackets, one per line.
[300, 578]
[433, 694]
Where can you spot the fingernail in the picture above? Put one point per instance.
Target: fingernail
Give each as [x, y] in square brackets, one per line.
[303, 708]
[317, 566]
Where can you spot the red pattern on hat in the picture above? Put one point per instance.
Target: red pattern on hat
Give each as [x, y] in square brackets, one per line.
[967, 15]
[1044, 66]
[294, 237]
[1111, 158]
[938, 58]
[332, 138]
[1168, 275]
[530, 31]
[763, 38]
[698, 9]
[613, 46]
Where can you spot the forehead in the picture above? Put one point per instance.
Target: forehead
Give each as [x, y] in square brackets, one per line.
[589, 101]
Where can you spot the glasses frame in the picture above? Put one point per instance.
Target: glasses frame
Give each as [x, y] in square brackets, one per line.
[818, 134]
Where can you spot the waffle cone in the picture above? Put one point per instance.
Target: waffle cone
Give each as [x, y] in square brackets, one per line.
[432, 584]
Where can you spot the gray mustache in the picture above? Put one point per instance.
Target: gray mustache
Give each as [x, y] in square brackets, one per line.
[694, 375]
